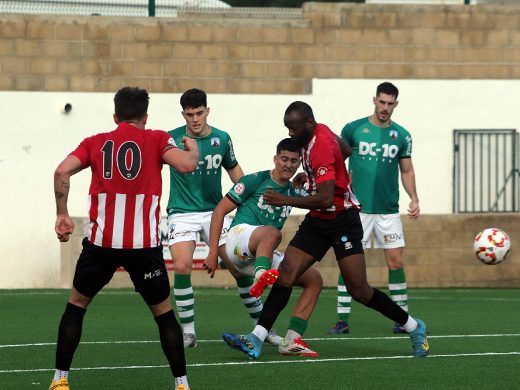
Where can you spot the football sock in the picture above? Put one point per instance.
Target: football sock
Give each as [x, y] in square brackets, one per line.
[410, 324]
[183, 380]
[297, 327]
[262, 264]
[58, 374]
[383, 304]
[69, 334]
[185, 301]
[274, 304]
[397, 287]
[253, 305]
[344, 301]
[172, 342]
[260, 332]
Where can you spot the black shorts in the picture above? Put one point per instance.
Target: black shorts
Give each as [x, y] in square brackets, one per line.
[343, 233]
[96, 266]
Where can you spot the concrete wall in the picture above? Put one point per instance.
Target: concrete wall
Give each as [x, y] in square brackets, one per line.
[454, 67]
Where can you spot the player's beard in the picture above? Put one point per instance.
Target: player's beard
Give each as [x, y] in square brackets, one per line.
[302, 140]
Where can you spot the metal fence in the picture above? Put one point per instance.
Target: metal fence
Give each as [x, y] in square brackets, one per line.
[485, 171]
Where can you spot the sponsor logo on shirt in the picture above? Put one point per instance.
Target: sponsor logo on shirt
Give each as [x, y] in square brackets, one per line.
[215, 141]
[321, 171]
[365, 130]
[239, 188]
[393, 134]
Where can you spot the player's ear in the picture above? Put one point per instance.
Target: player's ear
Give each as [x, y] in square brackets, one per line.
[116, 119]
[145, 118]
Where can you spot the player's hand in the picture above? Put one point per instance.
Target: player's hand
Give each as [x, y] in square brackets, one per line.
[189, 143]
[274, 198]
[414, 210]
[63, 227]
[299, 180]
[211, 264]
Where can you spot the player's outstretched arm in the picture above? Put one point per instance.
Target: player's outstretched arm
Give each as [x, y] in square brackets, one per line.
[68, 167]
[184, 161]
[322, 199]
[224, 207]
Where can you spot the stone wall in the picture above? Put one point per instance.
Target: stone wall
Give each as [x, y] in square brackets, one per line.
[257, 52]
[438, 254]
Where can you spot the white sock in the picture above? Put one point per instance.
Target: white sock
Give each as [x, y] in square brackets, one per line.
[410, 325]
[260, 332]
[58, 374]
[291, 335]
[181, 380]
[188, 328]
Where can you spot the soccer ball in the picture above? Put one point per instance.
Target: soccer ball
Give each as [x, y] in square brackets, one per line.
[491, 246]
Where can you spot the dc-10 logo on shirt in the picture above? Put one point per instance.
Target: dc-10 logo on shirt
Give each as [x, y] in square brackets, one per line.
[215, 141]
[321, 171]
[239, 188]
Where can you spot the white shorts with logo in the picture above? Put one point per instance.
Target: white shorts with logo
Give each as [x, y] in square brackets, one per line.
[191, 226]
[237, 249]
[382, 231]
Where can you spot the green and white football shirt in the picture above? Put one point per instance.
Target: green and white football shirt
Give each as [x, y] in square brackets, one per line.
[374, 163]
[201, 190]
[248, 193]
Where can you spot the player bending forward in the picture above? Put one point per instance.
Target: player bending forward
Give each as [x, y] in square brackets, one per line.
[255, 233]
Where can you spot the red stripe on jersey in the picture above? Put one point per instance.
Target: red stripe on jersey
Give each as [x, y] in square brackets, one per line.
[146, 221]
[109, 220]
[157, 219]
[128, 233]
[93, 213]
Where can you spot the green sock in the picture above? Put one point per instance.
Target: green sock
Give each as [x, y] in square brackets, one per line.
[262, 263]
[253, 305]
[397, 287]
[344, 301]
[298, 325]
[185, 301]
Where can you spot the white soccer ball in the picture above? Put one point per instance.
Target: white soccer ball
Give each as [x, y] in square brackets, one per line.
[491, 246]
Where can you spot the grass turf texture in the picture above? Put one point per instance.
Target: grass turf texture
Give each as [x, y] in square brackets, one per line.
[474, 337]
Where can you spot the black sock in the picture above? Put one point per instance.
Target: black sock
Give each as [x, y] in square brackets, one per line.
[69, 334]
[274, 304]
[172, 342]
[383, 304]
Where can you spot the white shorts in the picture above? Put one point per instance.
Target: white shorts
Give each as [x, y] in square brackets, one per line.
[237, 249]
[385, 230]
[192, 226]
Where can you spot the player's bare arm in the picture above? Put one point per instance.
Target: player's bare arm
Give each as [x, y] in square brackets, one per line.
[224, 207]
[235, 173]
[408, 180]
[344, 147]
[322, 199]
[186, 160]
[64, 225]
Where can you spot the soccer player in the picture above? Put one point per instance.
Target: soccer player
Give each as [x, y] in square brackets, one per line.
[193, 196]
[124, 210]
[333, 221]
[381, 148]
[255, 233]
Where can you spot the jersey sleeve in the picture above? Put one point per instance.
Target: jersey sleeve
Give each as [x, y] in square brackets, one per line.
[166, 141]
[243, 188]
[405, 151]
[229, 160]
[83, 152]
[347, 132]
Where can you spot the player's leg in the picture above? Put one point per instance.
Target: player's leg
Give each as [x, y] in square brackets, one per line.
[344, 303]
[93, 271]
[390, 237]
[351, 262]
[182, 235]
[292, 344]
[155, 292]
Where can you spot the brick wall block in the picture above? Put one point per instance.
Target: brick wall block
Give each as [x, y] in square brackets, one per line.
[69, 31]
[122, 68]
[213, 52]
[96, 32]
[41, 30]
[27, 48]
[198, 33]
[56, 83]
[175, 69]
[13, 29]
[174, 33]
[148, 33]
[148, 68]
[69, 67]
[42, 66]
[28, 83]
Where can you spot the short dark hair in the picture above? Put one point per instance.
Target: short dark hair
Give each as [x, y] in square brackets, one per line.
[301, 108]
[387, 88]
[289, 145]
[194, 98]
[131, 103]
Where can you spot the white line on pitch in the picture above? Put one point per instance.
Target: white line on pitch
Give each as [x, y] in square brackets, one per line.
[308, 339]
[271, 362]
